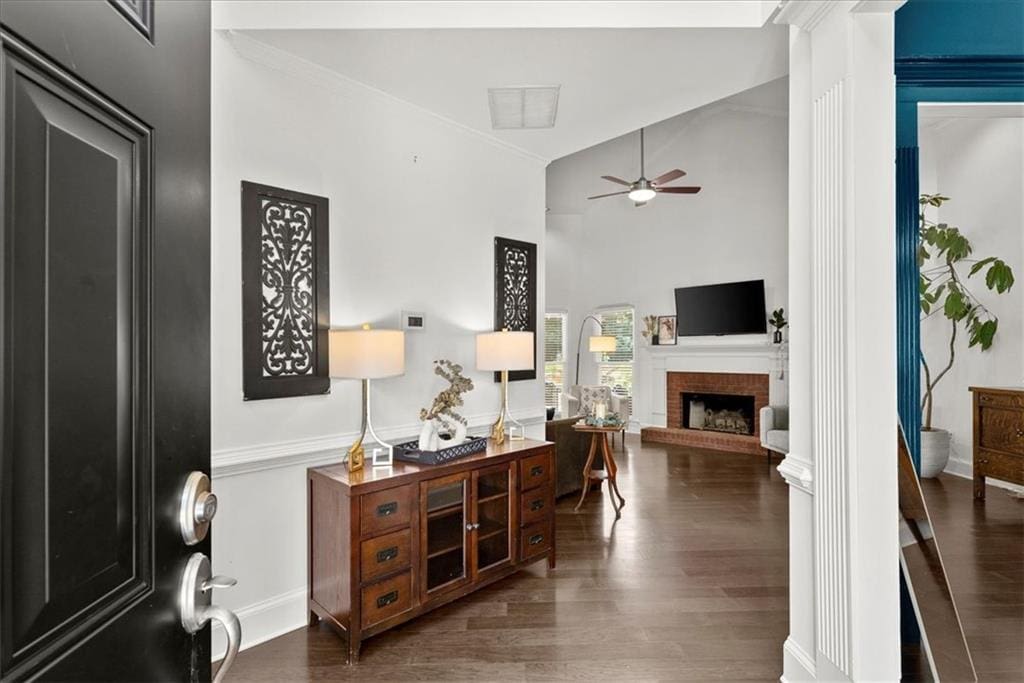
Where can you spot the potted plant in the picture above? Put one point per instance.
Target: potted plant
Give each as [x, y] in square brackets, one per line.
[943, 253]
[778, 321]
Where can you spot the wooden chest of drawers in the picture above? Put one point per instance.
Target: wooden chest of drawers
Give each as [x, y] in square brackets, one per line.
[389, 544]
[998, 436]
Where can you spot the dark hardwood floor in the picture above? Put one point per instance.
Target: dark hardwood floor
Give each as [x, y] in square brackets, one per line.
[690, 584]
[982, 547]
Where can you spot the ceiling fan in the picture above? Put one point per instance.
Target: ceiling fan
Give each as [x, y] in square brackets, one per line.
[643, 190]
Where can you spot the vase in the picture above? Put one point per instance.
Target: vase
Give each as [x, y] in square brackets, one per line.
[777, 337]
[429, 438]
[934, 452]
[455, 428]
[654, 340]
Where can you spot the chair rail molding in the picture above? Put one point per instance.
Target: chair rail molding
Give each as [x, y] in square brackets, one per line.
[320, 450]
[844, 596]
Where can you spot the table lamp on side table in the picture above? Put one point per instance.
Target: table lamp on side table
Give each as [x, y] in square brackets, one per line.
[501, 352]
[367, 354]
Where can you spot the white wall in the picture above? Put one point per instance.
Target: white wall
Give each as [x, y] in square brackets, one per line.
[415, 205]
[607, 251]
[976, 162]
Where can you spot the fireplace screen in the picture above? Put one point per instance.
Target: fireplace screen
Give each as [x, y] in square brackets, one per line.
[730, 413]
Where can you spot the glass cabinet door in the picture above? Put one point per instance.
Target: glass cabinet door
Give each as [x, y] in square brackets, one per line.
[493, 497]
[447, 520]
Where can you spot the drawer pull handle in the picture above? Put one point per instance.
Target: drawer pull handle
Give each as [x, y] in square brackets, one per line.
[536, 505]
[386, 509]
[536, 470]
[536, 538]
[387, 599]
[387, 554]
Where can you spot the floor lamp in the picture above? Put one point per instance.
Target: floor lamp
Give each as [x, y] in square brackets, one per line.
[367, 354]
[597, 344]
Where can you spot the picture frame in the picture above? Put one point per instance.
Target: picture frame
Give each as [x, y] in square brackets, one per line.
[284, 338]
[667, 331]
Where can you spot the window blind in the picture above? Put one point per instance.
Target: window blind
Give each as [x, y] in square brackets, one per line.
[615, 368]
[554, 358]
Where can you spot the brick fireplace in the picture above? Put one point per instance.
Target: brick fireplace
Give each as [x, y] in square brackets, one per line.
[717, 410]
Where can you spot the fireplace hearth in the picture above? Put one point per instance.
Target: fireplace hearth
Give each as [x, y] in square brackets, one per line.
[729, 413]
[728, 418]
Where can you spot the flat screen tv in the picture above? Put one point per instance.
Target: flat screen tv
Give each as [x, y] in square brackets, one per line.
[729, 308]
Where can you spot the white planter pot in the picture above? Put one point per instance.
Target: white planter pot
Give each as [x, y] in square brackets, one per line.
[934, 452]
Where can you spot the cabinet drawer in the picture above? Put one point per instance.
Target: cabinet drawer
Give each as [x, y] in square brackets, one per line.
[385, 509]
[1001, 400]
[535, 505]
[536, 539]
[535, 471]
[1002, 429]
[385, 554]
[1000, 466]
[386, 599]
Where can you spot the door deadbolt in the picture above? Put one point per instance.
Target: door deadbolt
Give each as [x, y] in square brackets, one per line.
[198, 507]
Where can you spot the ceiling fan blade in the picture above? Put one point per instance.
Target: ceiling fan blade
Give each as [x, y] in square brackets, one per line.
[678, 190]
[620, 181]
[668, 176]
[610, 194]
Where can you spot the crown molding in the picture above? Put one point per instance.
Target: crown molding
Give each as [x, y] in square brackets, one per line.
[322, 450]
[805, 14]
[292, 65]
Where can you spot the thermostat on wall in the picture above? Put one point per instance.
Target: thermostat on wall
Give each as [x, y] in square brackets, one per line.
[413, 322]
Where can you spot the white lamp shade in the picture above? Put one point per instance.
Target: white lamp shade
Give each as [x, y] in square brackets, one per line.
[504, 351]
[367, 354]
[605, 344]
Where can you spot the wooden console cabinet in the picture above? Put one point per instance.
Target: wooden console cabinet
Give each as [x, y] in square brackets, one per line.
[389, 544]
[998, 436]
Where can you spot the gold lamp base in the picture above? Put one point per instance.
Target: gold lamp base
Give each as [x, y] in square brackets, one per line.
[498, 429]
[356, 456]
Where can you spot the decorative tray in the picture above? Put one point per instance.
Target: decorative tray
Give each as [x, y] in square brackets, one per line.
[410, 451]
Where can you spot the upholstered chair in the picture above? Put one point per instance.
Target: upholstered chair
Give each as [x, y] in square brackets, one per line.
[580, 400]
[775, 429]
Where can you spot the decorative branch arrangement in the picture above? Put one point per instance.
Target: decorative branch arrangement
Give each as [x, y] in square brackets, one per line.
[650, 326]
[445, 402]
[943, 288]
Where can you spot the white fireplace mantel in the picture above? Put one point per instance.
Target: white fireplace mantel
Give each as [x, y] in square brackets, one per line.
[707, 355]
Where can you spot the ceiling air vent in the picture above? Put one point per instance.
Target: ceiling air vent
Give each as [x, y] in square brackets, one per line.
[524, 107]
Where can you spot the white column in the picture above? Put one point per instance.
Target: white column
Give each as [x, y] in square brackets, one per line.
[844, 588]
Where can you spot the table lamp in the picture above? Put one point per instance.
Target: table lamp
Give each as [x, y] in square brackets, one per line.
[366, 354]
[501, 352]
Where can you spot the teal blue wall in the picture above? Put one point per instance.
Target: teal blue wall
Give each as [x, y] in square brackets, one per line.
[946, 28]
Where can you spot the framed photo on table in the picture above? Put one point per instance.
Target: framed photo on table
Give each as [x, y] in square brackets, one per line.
[666, 330]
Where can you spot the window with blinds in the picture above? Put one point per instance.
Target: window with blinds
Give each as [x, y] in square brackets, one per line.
[554, 358]
[615, 368]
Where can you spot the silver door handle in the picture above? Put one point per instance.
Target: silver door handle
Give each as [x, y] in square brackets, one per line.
[197, 607]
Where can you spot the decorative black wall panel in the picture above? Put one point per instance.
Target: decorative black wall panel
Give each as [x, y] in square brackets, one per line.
[285, 297]
[515, 293]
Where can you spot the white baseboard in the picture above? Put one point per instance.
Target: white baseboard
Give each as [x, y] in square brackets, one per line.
[797, 663]
[264, 620]
[964, 469]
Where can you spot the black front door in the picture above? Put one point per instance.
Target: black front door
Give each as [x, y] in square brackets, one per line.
[104, 301]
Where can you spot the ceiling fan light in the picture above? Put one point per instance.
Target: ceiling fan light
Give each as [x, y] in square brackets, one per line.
[642, 194]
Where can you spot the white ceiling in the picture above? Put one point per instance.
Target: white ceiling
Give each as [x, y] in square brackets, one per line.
[612, 80]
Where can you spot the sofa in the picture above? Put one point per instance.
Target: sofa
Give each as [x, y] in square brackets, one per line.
[571, 449]
[775, 429]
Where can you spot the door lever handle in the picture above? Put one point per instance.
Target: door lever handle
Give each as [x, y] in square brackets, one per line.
[197, 608]
[219, 581]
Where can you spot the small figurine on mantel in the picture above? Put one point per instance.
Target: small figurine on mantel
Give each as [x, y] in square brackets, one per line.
[442, 426]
